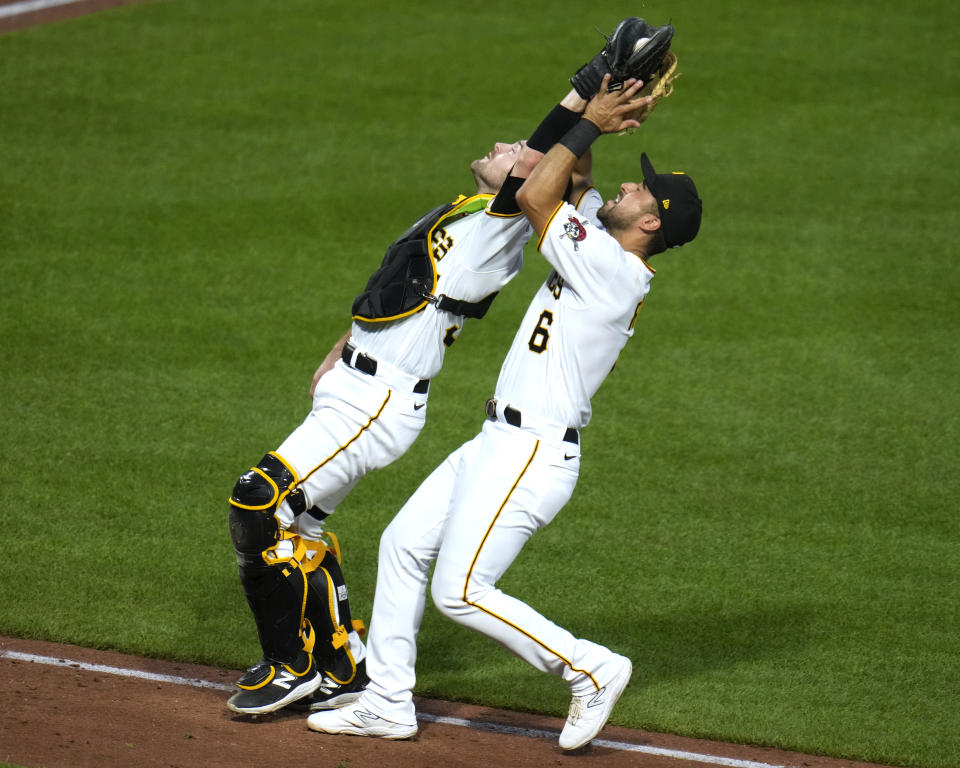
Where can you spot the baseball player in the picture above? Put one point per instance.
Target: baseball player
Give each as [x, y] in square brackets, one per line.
[369, 404]
[475, 512]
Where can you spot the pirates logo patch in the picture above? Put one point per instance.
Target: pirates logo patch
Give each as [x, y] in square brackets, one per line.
[575, 231]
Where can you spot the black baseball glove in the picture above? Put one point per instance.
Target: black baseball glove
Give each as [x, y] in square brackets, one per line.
[635, 49]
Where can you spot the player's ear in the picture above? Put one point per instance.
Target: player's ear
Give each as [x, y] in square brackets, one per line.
[649, 222]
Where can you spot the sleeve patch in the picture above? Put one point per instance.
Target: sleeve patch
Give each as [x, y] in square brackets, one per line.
[575, 230]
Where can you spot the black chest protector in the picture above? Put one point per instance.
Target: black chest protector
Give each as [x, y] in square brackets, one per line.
[407, 278]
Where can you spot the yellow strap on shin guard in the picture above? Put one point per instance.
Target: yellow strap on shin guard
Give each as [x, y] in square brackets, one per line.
[272, 555]
[308, 635]
[334, 545]
[339, 638]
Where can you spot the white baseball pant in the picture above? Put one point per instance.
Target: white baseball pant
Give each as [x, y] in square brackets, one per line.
[472, 516]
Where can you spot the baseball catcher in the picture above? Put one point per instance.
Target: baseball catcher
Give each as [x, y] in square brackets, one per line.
[638, 50]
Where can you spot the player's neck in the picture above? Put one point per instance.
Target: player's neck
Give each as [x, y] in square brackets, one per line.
[630, 242]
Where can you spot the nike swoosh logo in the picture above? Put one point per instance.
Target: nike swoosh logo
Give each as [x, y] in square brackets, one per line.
[418, 406]
[567, 458]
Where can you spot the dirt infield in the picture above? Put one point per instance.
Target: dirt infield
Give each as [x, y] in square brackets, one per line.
[71, 707]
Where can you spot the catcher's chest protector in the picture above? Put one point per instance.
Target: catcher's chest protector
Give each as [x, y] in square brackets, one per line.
[407, 277]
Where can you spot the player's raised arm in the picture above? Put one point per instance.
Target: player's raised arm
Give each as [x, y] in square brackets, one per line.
[544, 189]
[552, 128]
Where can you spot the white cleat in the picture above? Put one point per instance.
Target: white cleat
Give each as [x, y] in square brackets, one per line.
[589, 713]
[359, 721]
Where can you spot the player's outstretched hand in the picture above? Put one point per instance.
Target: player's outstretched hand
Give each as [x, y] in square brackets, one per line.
[608, 110]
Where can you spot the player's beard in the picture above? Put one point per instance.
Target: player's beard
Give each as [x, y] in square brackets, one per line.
[614, 219]
[610, 217]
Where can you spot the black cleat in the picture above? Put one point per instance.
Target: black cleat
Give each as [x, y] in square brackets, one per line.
[269, 685]
[331, 693]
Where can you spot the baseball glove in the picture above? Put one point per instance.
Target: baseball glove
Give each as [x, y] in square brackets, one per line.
[635, 49]
[660, 85]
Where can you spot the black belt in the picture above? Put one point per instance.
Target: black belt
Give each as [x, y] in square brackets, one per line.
[366, 364]
[514, 418]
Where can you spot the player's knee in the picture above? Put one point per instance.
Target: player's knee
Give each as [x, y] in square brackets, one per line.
[263, 486]
[253, 526]
[448, 602]
[450, 596]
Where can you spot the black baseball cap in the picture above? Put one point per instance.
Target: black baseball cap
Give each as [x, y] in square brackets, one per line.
[677, 199]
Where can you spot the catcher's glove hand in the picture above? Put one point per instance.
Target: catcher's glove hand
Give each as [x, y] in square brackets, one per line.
[635, 49]
[659, 86]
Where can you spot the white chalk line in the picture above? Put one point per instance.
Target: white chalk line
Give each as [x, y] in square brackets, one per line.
[536, 733]
[29, 6]
[456, 721]
[138, 673]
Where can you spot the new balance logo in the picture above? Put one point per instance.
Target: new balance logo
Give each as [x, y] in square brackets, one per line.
[284, 679]
[597, 699]
[365, 717]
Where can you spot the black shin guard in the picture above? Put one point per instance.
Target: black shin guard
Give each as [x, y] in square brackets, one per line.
[275, 596]
[275, 590]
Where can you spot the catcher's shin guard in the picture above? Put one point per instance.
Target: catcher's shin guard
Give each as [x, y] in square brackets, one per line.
[328, 611]
[269, 563]
[276, 595]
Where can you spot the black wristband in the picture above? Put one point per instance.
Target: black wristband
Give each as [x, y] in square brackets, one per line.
[579, 138]
[553, 127]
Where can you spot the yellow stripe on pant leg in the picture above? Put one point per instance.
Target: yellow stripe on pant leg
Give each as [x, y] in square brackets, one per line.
[466, 584]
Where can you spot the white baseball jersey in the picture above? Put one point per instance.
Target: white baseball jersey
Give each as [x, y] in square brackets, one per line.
[360, 423]
[475, 256]
[578, 322]
[475, 512]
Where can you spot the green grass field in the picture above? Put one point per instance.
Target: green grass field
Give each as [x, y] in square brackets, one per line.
[192, 194]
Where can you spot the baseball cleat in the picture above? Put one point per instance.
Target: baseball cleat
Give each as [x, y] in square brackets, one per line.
[589, 712]
[332, 694]
[357, 720]
[269, 685]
